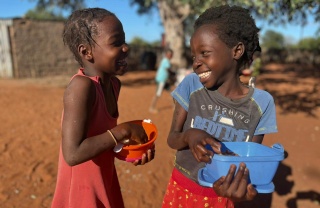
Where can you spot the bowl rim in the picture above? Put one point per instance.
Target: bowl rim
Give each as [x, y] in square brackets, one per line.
[140, 146]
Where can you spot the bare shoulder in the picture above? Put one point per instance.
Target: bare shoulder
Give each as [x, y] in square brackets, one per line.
[79, 87]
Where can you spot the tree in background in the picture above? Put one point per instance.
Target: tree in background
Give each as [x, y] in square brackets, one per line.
[309, 44]
[43, 14]
[52, 9]
[272, 39]
[178, 15]
[137, 41]
[67, 5]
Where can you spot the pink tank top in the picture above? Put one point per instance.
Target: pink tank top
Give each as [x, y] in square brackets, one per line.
[92, 184]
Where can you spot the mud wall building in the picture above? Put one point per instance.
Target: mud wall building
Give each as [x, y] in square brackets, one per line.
[31, 48]
[34, 48]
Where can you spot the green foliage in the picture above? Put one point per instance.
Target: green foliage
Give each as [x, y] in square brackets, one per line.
[47, 9]
[156, 43]
[272, 39]
[144, 6]
[137, 41]
[70, 5]
[275, 11]
[281, 11]
[309, 44]
[43, 14]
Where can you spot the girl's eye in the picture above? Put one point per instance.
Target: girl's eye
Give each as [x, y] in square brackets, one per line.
[193, 58]
[204, 53]
[119, 43]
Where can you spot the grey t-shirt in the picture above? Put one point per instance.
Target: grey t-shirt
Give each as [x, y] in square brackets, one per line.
[225, 119]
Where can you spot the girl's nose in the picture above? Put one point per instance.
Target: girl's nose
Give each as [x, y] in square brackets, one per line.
[125, 48]
[196, 62]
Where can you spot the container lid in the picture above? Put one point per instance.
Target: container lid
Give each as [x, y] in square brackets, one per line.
[250, 151]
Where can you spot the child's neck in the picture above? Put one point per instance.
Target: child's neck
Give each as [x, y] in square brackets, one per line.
[104, 78]
[234, 92]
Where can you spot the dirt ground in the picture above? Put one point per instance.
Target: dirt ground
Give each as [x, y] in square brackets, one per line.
[30, 137]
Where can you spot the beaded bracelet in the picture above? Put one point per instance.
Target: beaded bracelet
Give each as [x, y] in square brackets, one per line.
[112, 137]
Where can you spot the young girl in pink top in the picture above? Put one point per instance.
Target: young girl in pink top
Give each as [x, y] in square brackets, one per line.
[86, 174]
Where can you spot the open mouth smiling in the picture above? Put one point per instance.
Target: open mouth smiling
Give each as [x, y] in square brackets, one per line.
[204, 74]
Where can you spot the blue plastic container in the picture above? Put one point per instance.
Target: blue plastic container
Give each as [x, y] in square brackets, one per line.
[262, 162]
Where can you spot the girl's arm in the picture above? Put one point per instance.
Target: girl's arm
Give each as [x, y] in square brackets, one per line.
[78, 98]
[78, 101]
[175, 138]
[258, 138]
[194, 139]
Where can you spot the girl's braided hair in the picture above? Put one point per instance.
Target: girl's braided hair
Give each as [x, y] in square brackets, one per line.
[234, 25]
[81, 28]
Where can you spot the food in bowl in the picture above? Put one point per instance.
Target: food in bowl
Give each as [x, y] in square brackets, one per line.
[131, 152]
[262, 162]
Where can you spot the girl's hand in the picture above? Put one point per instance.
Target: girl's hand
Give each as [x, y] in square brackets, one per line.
[130, 133]
[145, 158]
[235, 186]
[197, 140]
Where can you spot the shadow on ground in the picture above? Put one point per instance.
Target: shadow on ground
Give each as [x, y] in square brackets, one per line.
[305, 80]
[283, 186]
[138, 82]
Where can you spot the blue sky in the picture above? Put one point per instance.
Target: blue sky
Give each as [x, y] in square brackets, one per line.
[149, 27]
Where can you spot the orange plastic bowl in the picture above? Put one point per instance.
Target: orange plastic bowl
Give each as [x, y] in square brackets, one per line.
[131, 153]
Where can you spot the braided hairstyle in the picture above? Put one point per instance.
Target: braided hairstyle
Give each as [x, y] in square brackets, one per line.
[81, 28]
[234, 25]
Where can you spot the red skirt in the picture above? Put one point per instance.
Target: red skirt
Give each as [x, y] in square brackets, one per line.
[185, 193]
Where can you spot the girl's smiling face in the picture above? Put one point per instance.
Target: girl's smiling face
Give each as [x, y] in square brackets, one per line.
[110, 50]
[213, 60]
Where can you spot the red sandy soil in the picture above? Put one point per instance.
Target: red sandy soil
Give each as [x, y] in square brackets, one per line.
[30, 138]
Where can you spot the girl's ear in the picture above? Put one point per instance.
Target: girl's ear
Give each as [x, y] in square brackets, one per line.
[85, 52]
[238, 51]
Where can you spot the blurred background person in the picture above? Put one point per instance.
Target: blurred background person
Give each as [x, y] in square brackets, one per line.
[161, 78]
